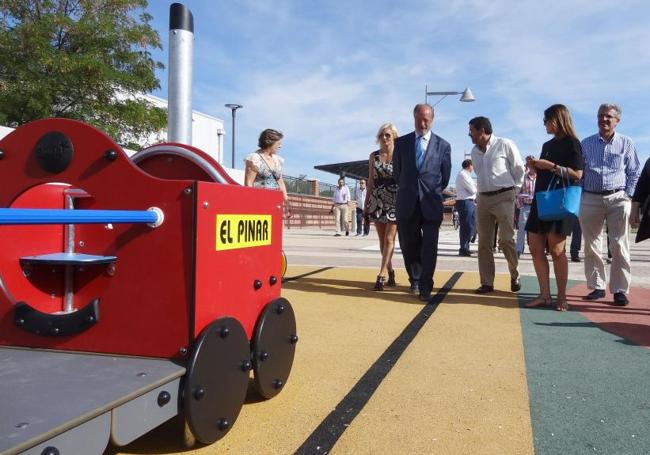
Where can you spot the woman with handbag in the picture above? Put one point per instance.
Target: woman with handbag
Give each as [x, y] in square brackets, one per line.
[560, 160]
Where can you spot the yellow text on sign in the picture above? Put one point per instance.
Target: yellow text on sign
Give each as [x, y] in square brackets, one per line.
[243, 231]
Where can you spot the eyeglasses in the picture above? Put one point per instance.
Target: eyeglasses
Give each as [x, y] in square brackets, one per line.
[387, 135]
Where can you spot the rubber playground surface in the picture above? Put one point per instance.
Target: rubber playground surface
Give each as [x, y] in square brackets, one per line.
[383, 373]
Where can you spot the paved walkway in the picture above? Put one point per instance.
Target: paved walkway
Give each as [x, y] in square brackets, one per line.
[381, 373]
[320, 247]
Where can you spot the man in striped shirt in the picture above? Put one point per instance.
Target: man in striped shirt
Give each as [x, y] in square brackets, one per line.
[610, 175]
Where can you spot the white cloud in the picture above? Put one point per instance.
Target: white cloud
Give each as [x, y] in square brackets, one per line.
[329, 73]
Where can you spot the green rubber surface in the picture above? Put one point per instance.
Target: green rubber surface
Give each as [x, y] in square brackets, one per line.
[589, 389]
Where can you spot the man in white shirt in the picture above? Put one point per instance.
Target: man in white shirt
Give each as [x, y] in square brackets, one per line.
[500, 172]
[360, 197]
[466, 206]
[340, 201]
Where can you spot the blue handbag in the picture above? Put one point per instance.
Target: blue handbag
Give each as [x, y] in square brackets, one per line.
[555, 203]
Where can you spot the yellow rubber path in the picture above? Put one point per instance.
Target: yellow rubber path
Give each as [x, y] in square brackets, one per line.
[458, 387]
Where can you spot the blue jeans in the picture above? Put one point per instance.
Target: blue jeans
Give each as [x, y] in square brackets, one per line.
[524, 211]
[361, 221]
[467, 217]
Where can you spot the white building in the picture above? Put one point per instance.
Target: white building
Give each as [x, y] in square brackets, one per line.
[207, 132]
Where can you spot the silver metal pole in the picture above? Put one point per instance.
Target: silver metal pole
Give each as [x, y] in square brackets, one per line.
[233, 107]
[181, 45]
[233, 137]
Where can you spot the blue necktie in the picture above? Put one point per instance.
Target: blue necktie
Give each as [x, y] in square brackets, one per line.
[419, 152]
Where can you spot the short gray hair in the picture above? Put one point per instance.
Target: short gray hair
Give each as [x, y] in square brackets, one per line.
[611, 106]
[422, 106]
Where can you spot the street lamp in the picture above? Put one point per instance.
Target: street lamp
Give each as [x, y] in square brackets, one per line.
[233, 108]
[220, 133]
[466, 97]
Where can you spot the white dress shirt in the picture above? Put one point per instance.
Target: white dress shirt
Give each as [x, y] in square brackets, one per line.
[465, 186]
[341, 195]
[499, 167]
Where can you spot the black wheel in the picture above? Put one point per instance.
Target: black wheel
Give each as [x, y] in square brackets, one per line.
[274, 346]
[216, 381]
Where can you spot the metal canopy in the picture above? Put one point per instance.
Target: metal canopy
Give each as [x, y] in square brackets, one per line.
[353, 169]
[359, 170]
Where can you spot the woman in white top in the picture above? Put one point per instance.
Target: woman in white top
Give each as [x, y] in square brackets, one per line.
[264, 166]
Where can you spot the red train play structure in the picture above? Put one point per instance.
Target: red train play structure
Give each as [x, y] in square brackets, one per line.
[131, 290]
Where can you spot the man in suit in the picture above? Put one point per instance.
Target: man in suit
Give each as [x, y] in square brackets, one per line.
[421, 167]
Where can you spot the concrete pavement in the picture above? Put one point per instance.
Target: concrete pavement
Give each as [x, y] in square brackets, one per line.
[320, 247]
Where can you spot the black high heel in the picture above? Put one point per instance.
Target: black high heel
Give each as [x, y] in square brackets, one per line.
[379, 284]
[391, 279]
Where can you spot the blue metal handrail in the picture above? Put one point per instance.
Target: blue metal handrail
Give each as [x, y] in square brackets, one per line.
[11, 216]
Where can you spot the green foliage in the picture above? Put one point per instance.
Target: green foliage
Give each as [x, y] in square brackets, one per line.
[81, 59]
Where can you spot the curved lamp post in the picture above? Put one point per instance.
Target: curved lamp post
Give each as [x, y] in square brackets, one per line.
[466, 97]
[233, 108]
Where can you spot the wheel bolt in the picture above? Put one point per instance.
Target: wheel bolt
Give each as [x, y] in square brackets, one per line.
[223, 424]
[199, 393]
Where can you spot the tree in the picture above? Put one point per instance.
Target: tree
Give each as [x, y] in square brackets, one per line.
[82, 59]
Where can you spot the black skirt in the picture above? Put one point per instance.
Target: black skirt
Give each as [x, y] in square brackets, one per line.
[537, 226]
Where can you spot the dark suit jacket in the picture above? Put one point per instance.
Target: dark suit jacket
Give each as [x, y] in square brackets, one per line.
[425, 185]
[641, 194]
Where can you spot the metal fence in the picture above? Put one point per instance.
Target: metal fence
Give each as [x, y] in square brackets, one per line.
[326, 189]
[297, 185]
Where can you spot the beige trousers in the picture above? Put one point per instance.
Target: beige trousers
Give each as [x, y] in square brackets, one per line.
[614, 209]
[492, 209]
[341, 217]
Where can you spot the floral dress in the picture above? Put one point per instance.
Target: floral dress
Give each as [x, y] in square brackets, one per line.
[381, 201]
[267, 176]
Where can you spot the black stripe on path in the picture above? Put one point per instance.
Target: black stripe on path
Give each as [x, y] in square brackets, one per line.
[314, 272]
[332, 427]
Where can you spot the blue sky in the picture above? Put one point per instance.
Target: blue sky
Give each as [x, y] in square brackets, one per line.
[329, 73]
